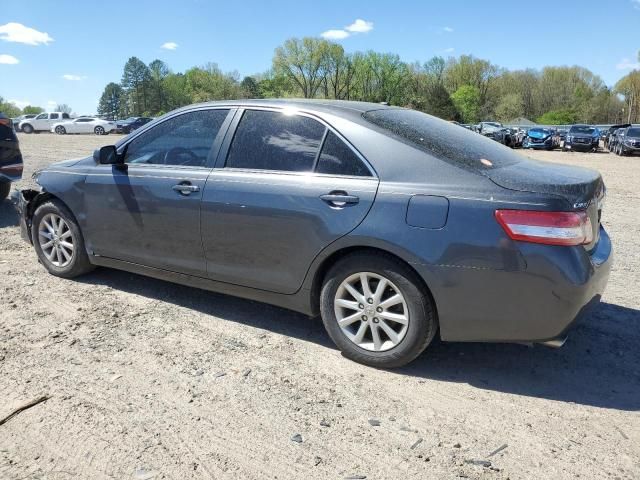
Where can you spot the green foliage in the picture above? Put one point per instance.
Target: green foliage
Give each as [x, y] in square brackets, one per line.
[250, 88]
[112, 102]
[9, 109]
[558, 117]
[509, 107]
[30, 109]
[467, 100]
[136, 79]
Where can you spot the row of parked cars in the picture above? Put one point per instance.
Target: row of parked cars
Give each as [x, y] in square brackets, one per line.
[62, 123]
[585, 138]
[622, 139]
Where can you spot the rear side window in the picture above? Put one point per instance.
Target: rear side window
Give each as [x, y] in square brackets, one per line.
[337, 158]
[443, 140]
[275, 141]
[53, 116]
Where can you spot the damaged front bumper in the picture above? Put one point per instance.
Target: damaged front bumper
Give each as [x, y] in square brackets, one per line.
[24, 206]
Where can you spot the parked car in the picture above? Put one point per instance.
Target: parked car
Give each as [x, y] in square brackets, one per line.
[562, 133]
[84, 125]
[543, 138]
[610, 134]
[585, 138]
[390, 223]
[42, 122]
[612, 141]
[628, 141]
[497, 132]
[10, 156]
[130, 124]
[17, 120]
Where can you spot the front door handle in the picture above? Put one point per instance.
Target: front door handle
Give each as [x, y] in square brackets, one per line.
[185, 188]
[339, 199]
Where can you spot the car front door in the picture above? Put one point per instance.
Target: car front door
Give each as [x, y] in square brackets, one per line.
[274, 202]
[147, 211]
[40, 122]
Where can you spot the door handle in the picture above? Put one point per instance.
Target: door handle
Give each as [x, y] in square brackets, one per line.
[185, 188]
[339, 199]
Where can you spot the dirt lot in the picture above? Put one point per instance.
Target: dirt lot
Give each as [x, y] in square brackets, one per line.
[153, 380]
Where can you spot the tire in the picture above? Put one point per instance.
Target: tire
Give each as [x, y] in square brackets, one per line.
[60, 130]
[5, 189]
[27, 128]
[98, 130]
[77, 263]
[417, 307]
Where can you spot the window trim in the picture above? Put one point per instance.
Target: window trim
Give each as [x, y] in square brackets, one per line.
[223, 154]
[215, 146]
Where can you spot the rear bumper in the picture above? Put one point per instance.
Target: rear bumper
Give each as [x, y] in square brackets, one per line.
[558, 287]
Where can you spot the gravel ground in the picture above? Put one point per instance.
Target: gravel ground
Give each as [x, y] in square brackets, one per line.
[152, 380]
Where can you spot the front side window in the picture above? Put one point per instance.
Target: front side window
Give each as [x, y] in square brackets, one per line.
[42, 116]
[266, 140]
[184, 140]
[337, 158]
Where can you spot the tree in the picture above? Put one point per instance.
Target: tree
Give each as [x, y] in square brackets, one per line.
[158, 71]
[64, 108]
[250, 88]
[303, 62]
[510, 107]
[29, 109]
[135, 80]
[559, 117]
[467, 100]
[112, 101]
[210, 83]
[9, 109]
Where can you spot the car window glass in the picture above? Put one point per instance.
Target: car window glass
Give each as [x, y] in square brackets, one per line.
[42, 116]
[337, 158]
[182, 140]
[275, 141]
[54, 116]
[65, 115]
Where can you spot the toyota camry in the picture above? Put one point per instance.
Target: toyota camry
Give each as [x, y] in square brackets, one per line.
[391, 224]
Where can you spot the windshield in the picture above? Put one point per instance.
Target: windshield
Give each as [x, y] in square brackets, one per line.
[582, 129]
[633, 132]
[442, 139]
[546, 131]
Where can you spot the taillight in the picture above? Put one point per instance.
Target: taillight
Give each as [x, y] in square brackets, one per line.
[7, 122]
[550, 228]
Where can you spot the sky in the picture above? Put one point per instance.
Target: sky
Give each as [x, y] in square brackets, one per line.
[67, 51]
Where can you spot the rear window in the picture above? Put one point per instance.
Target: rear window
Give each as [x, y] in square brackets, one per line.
[443, 140]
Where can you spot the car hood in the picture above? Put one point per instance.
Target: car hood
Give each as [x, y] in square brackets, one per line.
[577, 185]
[70, 163]
[538, 134]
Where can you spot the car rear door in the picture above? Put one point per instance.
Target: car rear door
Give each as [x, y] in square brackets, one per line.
[273, 203]
[148, 211]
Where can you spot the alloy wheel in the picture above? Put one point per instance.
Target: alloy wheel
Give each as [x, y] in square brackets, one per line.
[56, 240]
[371, 311]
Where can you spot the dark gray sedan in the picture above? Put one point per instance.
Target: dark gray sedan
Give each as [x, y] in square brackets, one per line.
[390, 223]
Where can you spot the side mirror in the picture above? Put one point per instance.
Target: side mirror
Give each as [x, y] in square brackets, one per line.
[107, 155]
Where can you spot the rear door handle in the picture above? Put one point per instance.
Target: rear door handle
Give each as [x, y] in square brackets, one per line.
[185, 188]
[339, 199]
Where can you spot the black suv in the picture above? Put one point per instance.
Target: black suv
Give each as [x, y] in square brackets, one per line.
[130, 124]
[629, 142]
[583, 138]
[10, 156]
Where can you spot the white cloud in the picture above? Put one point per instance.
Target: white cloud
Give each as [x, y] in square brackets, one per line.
[626, 64]
[16, 32]
[447, 29]
[359, 26]
[636, 4]
[20, 103]
[169, 46]
[449, 50]
[8, 59]
[335, 34]
[73, 78]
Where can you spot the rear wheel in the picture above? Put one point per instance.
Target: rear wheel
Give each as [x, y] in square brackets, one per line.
[375, 310]
[27, 128]
[58, 241]
[60, 130]
[5, 189]
[99, 130]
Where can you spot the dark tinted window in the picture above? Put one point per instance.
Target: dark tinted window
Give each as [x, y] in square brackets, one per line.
[182, 140]
[443, 140]
[633, 132]
[582, 129]
[65, 115]
[53, 116]
[338, 159]
[275, 141]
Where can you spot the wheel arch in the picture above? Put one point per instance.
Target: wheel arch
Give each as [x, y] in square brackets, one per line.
[35, 199]
[336, 256]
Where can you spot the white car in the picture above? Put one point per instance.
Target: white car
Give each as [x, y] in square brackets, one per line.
[84, 125]
[42, 122]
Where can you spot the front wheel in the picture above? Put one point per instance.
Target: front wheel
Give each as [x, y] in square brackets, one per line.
[58, 241]
[60, 130]
[98, 130]
[376, 311]
[27, 128]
